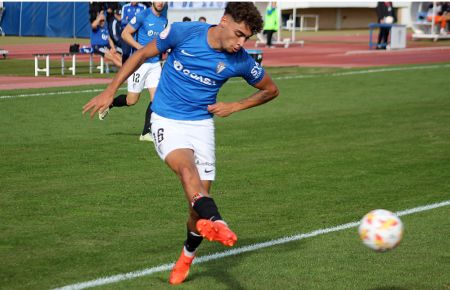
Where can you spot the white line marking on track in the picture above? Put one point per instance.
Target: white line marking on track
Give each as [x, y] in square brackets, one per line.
[237, 251]
[356, 72]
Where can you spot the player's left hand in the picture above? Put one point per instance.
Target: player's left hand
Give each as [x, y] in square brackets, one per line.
[221, 109]
[99, 103]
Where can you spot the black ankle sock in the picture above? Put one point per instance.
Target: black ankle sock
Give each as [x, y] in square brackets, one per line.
[193, 241]
[147, 124]
[206, 208]
[119, 101]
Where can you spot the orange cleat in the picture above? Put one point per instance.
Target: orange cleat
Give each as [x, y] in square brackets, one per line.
[216, 231]
[181, 269]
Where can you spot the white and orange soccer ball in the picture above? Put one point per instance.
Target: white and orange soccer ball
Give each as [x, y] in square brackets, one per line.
[381, 230]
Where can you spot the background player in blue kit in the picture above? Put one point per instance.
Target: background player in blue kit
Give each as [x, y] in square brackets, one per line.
[147, 25]
[203, 57]
[128, 12]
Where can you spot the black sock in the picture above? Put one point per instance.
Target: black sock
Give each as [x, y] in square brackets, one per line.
[119, 101]
[206, 208]
[193, 241]
[147, 124]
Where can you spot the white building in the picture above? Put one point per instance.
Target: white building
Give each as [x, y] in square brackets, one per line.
[331, 15]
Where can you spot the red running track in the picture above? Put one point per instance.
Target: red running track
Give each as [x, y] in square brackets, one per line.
[318, 51]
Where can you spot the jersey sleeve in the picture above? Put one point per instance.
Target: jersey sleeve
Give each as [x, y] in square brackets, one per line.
[124, 20]
[137, 21]
[169, 37]
[251, 71]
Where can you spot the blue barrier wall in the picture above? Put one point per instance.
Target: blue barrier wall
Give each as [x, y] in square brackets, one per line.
[53, 19]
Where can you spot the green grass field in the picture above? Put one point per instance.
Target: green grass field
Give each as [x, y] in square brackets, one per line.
[82, 199]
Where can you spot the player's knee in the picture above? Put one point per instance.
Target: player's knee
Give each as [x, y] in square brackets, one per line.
[132, 98]
[131, 101]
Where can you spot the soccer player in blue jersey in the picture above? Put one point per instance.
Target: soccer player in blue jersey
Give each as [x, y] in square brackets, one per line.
[203, 57]
[147, 25]
[129, 10]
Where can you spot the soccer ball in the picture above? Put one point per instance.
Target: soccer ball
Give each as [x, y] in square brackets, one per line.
[381, 230]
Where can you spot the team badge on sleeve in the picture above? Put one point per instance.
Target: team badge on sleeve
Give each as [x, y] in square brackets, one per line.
[133, 20]
[256, 70]
[165, 32]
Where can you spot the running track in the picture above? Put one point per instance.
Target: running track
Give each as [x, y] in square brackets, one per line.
[332, 51]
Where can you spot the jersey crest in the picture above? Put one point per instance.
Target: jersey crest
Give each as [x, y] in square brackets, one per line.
[220, 67]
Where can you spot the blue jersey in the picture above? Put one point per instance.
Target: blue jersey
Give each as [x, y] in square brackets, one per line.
[129, 11]
[194, 72]
[148, 27]
[100, 36]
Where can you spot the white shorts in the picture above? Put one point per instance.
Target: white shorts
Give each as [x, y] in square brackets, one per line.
[170, 135]
[146, 76]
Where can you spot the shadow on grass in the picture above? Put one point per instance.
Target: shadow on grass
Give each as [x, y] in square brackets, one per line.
[389, 288]
[124, 134]
[220, 270]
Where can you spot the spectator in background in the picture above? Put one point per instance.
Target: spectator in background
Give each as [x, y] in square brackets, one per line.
[270, 23]
[446, 13]
[94, 10]
[128, 12]
[101, 42]
[440, 15]
[186, 19]
[386, 14]
[202, 19]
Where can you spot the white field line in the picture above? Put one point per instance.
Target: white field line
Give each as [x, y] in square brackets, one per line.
[357, 72]
[237, 251]
[53, 93]
[414, 49]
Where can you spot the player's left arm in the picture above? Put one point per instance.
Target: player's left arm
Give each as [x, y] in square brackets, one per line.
[127, 36]
[267, 91]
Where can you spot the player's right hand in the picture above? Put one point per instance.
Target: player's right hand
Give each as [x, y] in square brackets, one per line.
[100, 15]
[99, 103]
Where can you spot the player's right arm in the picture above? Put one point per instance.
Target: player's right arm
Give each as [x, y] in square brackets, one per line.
[135, 23]
[105, 99]
[96, 22]
[127, 35]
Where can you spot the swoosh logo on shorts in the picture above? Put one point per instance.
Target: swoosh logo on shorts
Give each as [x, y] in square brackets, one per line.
[209, 171]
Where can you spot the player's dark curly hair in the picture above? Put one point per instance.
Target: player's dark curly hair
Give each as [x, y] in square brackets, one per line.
[246, 12]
